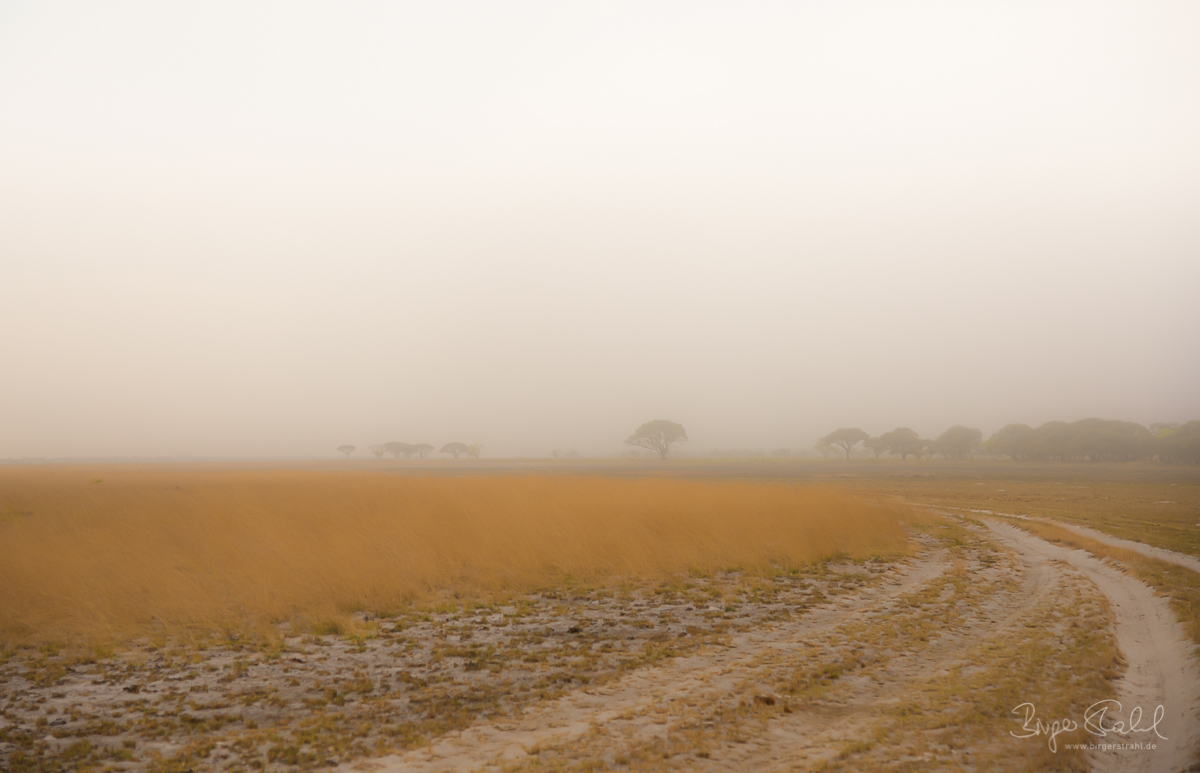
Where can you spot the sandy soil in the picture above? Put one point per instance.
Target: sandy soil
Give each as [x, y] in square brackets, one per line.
[1162, 670]
[915, 664]
[317, 700]
[706, 676]
[1162, 554]
[646, 709]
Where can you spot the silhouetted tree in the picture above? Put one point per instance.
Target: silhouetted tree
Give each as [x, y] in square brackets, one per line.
[1049, 441]
[395, 448]
[454, 448]
[1100, 440]
[1159, 427]
[658, 436]
[903, 442]
[347, 450]
[423, 449]
[1012, 440]
[1180, 444]
[379, 451]
[1091, 440]
[846, 438]
[959, 442]
[824, 447]
[876, 445]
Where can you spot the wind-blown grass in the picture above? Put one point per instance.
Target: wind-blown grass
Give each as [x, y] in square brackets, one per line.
[153, 549]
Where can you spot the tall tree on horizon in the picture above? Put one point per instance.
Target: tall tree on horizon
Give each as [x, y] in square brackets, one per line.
[658, 436]
[846, 438]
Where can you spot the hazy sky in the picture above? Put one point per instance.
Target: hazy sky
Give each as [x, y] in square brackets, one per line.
[266, 229]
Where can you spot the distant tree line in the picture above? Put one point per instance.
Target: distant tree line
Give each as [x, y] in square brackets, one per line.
[1098, 440]
[955, 443]
[422, 450]
[1087, 440]
[1178, 444]
[748, 453]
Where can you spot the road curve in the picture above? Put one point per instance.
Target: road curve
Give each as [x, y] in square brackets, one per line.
[1170, 556]
[1161, 669]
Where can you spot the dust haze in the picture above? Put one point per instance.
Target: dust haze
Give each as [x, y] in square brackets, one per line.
[268, 231]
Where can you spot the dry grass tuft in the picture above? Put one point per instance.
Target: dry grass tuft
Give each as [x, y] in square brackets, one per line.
[167, 550]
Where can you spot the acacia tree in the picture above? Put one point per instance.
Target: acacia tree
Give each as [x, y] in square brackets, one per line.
[876, 445]
[455, 448]
[347, 450]
[658, 436]
[846, 438]
[379, 451]
[903, 442]
[423, 449]
[395, 448]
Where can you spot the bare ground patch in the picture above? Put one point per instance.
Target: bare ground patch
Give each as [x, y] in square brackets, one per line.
[916, 677]
[907, 665]
[396, 683]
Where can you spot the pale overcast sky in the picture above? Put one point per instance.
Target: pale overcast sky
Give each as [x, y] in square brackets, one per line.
[267, 229]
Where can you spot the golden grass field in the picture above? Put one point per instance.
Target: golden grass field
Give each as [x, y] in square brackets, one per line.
[95, 554]
[692, 616]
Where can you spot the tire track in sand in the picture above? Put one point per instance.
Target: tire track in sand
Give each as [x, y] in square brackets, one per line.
[1162, 554]
[1160, 671]
[1160, 667]
[714, 670]
[815, 736]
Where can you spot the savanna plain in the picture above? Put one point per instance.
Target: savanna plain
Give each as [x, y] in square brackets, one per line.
[600, 615]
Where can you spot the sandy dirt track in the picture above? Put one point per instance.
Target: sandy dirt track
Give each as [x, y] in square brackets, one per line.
[1161, 667]
[714, 672]
[1170, 556]
[881, 665]
[650, 704]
